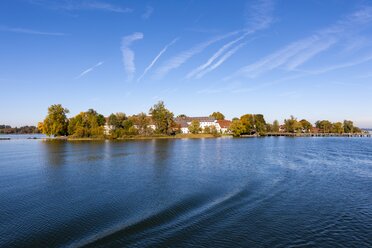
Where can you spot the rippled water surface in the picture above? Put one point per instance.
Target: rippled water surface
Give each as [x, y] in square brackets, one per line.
[263, 192]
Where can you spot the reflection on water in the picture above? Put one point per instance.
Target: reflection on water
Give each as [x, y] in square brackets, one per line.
[54, 152]
[268, 192]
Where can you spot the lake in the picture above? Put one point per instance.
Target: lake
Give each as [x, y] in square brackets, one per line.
[254, 192]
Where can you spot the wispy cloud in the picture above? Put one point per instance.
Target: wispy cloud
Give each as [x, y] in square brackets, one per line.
[29, 31]
[259, 16]
[203, 69]
[157, 58]
[148, 12]
[358, 61]
[221, 60]
[81, 5]
[89, 69]
[128, 54]
[183, 57]
[299, 52]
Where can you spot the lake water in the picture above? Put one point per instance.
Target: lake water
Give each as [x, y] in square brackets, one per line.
[258, 192]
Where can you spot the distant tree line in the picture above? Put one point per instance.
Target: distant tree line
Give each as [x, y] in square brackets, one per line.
[6, 129]
[255, 124]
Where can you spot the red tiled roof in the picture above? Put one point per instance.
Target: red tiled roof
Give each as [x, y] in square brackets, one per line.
[200, 119]
[224, 123]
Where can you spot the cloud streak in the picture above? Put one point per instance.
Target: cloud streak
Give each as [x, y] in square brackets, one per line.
[183, 57]
[221, 60]
[128, 54]
[259, 16]
[156, 59]
[196, 72]
[81, 5]
[299, 52]
[30, 31]
[89, 69]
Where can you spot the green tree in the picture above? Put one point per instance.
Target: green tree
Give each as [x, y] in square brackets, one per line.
[324, 125]
[56, 122]
[259, 124]
[248, 122]
[276, 126]
[348, 126]
[237, 128]
[269, 127]
[218, 116]
[207, 130]
[87, 124]
[142, 121]
[162, 118]
[337, 127]
[194, 127]
[306, 125]
[292, 125]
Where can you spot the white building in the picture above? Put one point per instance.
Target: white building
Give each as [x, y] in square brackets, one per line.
[184, 123]
[107, 128]
[222, 126]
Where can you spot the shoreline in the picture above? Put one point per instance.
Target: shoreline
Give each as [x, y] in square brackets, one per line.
[211, 136]
[204, 136]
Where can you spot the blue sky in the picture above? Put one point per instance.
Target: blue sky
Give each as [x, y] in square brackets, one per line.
[310, 59]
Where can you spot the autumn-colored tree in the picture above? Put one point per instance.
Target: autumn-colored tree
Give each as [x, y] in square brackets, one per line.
[218, 116]
[292, 125]
[237, 128]
[194, 127]
[87, 124]
[162, 118]
[56, 122]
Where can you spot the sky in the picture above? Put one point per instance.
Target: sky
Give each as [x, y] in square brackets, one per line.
[310, 59]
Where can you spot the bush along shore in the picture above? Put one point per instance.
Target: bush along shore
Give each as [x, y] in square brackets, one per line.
[160, 123]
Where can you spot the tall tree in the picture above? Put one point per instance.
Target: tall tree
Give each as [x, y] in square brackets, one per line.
[162, 118]
[306, 125]
[56, 122]
[324, 125]
[276, 126]
[292, 125]
[260, 124]
[237, 128]
[348, 126]
[87, 124]
[337, 127]
[248, 122]
[194, 127]
[218, 115]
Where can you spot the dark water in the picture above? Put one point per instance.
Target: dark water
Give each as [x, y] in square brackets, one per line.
[268, 192]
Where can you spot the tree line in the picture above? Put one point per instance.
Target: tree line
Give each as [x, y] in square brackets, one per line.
[249, 124]
[6, 129]
[161, 121]
[90, 124]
